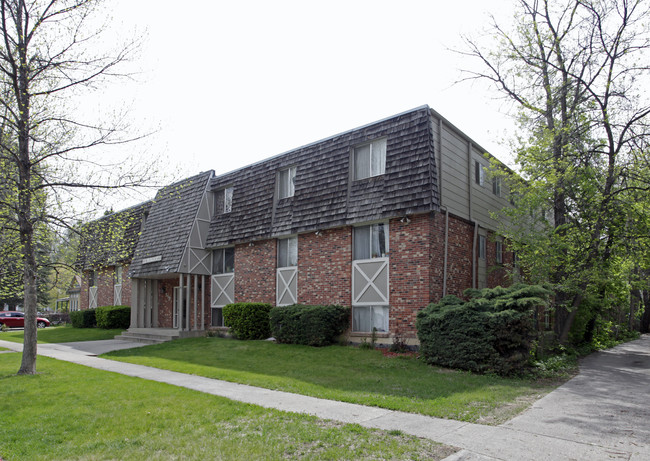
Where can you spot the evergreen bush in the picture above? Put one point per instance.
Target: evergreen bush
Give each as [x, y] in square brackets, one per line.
[491, 332]
[110, 317]
[248, 320]
[309, 325]
[83, 319]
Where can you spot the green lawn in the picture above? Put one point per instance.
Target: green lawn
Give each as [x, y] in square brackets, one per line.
[69, 412]
[63, 334]
[346, 374]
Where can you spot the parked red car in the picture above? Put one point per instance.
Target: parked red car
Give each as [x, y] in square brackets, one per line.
[17, 319]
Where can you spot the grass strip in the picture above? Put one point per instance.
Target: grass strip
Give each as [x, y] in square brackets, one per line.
[70, 412]
[346, 374]
[63, 334]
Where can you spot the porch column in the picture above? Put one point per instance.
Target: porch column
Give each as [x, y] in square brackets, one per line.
[142, 302]
[195, 300]
[187, 302]
[148, 305]
[203, 290]
[179, 320]
[135, 284]
[154, 319]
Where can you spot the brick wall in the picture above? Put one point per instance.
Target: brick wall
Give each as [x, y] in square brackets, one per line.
[410, 272]
[255, 272]
[325, 267]
[459, 256]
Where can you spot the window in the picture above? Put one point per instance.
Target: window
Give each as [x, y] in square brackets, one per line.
[288, 252]
[367, 318]
[479, 173]
[92, 279]
[223, 261]
[227, 199]
[371, 241]
[286, 182]
[499, 251]
[370, 159]
[481, 246]
[496, 186]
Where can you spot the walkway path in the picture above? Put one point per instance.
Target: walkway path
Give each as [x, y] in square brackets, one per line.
[602, 414]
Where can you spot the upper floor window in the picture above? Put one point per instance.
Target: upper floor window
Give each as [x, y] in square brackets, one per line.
[223, 261]
[371, 241]
[370, 159]
[288, 252]
[499, 251]
[223, 200]
[496, 186]
[479, 173]
[286, 182]
[227, 199]
[92, 279]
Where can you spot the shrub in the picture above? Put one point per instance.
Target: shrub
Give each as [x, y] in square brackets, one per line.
[492, 332]
[248, 320]
[309, 325]
[83, 319]
[109, 317]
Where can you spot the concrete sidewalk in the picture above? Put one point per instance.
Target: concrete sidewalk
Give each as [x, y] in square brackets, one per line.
[601, 414]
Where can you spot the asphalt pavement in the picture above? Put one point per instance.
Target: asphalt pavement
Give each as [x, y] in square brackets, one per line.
[601, 414]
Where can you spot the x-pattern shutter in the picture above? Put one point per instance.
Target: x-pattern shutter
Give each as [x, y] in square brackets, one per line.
[223, 289]
[92, 299]
[117, 294]
[370, 282]
[287, 286]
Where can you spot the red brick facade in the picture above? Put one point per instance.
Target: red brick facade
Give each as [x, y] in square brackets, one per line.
[325, 267]
[255, 272]
[416, 270]
[105, 283]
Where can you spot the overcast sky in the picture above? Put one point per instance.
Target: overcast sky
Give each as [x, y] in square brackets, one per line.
[228, 83]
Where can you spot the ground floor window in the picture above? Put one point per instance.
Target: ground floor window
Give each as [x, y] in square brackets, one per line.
[217, 317]
[365, 318]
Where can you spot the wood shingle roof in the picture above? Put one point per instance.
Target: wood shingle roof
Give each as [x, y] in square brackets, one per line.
[168, 226]
[325, 195]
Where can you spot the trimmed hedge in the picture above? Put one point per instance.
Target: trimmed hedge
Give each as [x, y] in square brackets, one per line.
[83, 319]
[309, 325]
[110, 317]
[492, 332]
[248, 320]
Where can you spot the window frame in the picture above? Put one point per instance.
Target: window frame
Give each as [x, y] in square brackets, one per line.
[224, 261]
[92, 278]
[287, 184]
[496, 186]
[498, 246]
[227, 201]
[479, 173]
[289, 241]
[375, 148]
[373, 231]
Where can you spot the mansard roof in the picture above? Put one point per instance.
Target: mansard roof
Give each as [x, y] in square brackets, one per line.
[166, 234]
[325, 194]
[112, 239]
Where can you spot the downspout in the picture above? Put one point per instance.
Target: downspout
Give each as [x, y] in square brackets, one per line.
[474, 243]
[444, 269]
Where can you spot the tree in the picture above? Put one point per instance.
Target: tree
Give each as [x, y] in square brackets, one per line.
[575, 70]
[50, 52]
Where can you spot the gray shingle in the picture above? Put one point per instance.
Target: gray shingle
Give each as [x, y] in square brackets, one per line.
[324, 196]
[168, 226]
